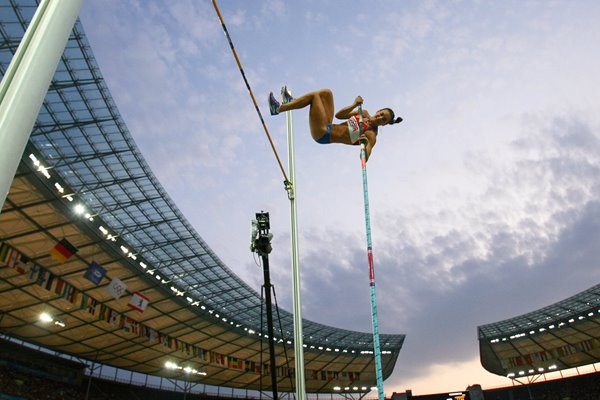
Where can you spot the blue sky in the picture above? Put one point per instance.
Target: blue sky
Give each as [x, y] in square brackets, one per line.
[483, 201]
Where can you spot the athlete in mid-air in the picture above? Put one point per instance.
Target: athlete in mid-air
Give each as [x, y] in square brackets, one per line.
[322, 128]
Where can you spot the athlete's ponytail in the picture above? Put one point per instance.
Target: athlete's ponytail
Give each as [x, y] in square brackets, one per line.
[393, 120]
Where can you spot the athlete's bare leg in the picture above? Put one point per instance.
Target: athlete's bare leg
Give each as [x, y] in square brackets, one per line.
[321, 110]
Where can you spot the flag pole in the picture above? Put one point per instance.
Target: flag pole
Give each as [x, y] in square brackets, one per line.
[374, 318]
[297, 305]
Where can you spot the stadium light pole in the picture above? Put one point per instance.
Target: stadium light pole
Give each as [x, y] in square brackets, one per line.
[27, 79]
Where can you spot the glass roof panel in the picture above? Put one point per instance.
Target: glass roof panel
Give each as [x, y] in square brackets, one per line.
[575, 306]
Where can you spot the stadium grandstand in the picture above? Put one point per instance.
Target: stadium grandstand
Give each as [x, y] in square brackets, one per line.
[557, 337]
[100, 266]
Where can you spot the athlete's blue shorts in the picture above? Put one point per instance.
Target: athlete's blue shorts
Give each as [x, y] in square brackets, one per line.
[326, 138]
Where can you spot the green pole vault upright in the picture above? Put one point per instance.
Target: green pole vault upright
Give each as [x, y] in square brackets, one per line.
[374, 318]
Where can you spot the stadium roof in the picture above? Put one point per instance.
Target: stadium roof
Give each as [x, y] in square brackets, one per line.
[560, 336]
[81, 154]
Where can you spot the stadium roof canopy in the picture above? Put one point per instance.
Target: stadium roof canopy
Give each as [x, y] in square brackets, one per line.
[83, 179]
[560, 336]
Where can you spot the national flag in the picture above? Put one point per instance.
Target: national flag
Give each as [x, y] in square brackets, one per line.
[219, 359]
[13, 258]
[23, 261]
[76, 297]
[84, 301]
[59, 286]
[4, 249]
[71, 294]
[116, 288]
[152, 335]
[135, 326]
[138, 302]
[32, 272]
[585, 345]
[127, 324]
[104, 314]
[50, 281]
[250, 365]
[114, 318]
[63, 250]
[95, 272]
[43, 276]
[93, 304]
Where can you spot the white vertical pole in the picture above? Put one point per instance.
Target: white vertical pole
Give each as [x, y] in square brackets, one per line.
[297, 306]
[27, 78]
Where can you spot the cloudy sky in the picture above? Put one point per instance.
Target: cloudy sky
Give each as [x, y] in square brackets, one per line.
[484, 201]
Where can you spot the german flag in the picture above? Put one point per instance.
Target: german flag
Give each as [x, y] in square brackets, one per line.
[63, 251]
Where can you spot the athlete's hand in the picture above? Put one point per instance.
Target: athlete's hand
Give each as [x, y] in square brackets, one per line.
[359, 100]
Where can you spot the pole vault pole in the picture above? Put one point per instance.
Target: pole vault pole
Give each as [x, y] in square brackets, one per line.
[297, 305]
[374, 318]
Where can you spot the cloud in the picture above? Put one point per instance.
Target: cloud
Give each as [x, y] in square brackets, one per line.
[442, 272]
[483, 201]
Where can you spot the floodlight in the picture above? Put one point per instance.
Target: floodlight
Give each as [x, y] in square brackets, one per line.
[170, 365]
[45, 317]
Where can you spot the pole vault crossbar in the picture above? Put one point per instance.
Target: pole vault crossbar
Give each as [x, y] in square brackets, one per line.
[374, 318]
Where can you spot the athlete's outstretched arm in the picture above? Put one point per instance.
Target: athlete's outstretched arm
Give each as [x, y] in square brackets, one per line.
[348, 111]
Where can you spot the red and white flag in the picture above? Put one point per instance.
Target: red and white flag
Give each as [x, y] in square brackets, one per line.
[138, 302]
